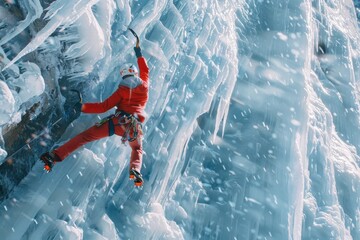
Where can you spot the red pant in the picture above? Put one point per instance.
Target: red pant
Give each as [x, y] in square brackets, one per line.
[98, 132]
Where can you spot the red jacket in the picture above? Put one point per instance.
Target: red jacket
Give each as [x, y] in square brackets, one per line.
[130, 100]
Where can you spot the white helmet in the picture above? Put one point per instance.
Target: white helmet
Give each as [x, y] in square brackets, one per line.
[128, 70]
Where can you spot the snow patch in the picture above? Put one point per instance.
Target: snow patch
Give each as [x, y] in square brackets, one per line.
[31, 82]
[7, 103]
[154, 218]
[3, 155]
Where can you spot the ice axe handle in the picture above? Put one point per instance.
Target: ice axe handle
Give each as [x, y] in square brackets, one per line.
[137, 38]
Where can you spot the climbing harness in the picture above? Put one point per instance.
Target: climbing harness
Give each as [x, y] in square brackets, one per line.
[129, 122]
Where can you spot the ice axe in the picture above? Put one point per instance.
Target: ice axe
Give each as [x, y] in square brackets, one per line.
[135, 35]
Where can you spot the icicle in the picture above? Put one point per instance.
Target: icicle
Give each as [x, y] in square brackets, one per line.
[34, 11]
[60, 13]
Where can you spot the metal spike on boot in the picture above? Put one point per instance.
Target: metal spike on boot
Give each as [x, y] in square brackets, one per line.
[137, 177]
[49, 161]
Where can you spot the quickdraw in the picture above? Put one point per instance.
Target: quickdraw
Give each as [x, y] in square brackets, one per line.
[129, 122]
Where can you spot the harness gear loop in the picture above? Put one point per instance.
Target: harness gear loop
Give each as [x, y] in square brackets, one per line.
[111, 127]
[111, 124]
[129, 122]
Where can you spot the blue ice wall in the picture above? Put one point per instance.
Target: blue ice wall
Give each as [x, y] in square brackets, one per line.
[252, 128]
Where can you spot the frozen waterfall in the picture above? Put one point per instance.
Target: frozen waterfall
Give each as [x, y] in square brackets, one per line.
[253, 128]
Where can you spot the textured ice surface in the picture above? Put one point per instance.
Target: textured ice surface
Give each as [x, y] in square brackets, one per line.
[6, 99]
[252, 130]
[33, 11]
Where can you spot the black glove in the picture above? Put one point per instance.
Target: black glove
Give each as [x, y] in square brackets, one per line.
[77, 108]
[137, 52]
[74, 110]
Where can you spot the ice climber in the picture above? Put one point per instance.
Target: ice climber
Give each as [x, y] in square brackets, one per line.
[130, 99]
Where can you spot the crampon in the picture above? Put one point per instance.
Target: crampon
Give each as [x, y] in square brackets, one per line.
[48, 161]
[137, 177]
